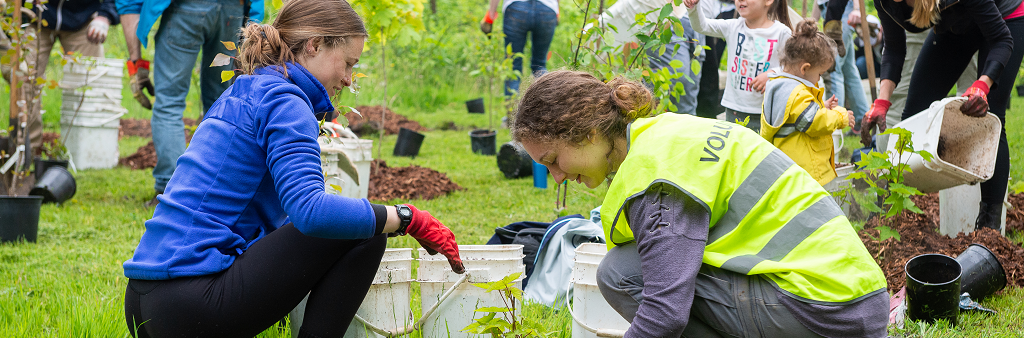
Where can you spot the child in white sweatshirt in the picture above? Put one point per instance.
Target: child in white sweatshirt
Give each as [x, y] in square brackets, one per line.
[754, 44]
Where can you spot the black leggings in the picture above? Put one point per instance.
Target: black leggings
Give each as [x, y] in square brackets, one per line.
[263, 284]
[943, 58]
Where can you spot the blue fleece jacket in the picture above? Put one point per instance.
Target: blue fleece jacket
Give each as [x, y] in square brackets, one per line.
[252, 167]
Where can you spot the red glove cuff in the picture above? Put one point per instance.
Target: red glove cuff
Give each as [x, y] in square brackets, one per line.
[978, 86]
[880, 105]
[489, 18]
[133, 67]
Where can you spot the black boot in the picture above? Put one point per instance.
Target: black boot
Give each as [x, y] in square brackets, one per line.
[989, 216]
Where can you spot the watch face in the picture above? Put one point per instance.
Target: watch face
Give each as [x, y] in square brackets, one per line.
[404, 212]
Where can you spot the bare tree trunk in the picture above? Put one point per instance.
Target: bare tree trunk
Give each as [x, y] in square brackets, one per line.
[383, 114]
[433, 6]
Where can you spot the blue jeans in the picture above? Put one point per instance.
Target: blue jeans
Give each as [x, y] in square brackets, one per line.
[846, 78]
[687, 41]
[523, 17]
[187, 28]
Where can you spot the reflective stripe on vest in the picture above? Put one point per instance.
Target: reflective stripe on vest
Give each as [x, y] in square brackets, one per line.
[750, 191]
[793, 233]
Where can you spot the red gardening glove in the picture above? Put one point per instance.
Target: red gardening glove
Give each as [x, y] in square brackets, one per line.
[138, 73]
[435, 237]
[874, 118]
[977, 99]
[487, 23]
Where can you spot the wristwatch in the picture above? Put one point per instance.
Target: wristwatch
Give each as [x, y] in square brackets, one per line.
[405, 216]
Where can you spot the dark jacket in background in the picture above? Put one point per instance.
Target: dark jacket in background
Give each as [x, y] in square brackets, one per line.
[73, 15]
[979, 18]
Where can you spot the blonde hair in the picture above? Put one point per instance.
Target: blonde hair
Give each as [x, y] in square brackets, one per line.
[568, 105]
[926, 13]
[325, 22]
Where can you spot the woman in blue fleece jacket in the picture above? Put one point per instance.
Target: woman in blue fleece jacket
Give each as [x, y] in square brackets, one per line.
[245, 229]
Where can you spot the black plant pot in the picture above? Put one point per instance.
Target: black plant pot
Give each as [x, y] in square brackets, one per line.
[933, 288]
[408, 143]
[42, 165]
[982, 274]
[56, 186]
[483, 141]
[475, 106]
[19, 218]
[1020, 91]
[513, 161]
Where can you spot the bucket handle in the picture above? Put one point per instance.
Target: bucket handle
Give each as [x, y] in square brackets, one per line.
[419, 324]
[89, 80]
[101, 123]
[609, 333]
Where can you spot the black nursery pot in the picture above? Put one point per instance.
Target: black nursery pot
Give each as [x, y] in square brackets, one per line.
[475, 106]
[483, 141]
[933, 288]
[514, 162]
[56, 186]
[408, 143]
[42, 165]
[1020, 91]
[19, 218]
[982, 274]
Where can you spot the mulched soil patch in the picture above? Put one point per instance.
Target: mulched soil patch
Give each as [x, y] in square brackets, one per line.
[142, 128]
[145, 157]
[370, 121]
[412, 182]
[920, 235]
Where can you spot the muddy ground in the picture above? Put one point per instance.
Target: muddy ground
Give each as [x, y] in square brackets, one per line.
[412, 182]
[369, 123]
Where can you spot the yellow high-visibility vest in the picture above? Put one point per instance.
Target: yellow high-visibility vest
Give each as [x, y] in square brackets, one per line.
[768, 216]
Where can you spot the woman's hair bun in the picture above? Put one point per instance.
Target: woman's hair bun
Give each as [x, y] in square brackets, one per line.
[632, 99]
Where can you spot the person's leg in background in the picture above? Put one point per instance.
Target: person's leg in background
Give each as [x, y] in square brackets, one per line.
[178, 42]
[993, 191]
[851, 87]
[230, 19]
[515, 26]
[899, 96]
[690, 82]
[545, 20]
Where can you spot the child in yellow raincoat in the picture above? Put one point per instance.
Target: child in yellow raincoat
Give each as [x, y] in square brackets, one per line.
[794, 117]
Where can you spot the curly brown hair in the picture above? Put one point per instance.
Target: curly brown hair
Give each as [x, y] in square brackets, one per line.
[568, 105]
[808, 45]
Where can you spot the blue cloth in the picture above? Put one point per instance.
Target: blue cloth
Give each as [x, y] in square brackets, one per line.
[75, 15]
[846, 78]
[252, 167]
[150, 11]
[188, 28]
[520, 18]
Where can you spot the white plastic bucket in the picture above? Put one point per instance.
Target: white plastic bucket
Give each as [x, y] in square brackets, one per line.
[92, 139]
[958, 210]
[387, 303]
[837, 141]
[91, 111]
[484, 263]
[963, 147]
[588, 305]
[360, 152]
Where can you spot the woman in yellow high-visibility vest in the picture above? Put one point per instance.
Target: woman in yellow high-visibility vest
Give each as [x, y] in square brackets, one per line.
[712, 230]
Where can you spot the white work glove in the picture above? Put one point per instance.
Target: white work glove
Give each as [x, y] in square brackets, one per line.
[97, 30]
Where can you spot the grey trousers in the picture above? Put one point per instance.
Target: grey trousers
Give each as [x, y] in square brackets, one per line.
[726, 304]
[734, 116]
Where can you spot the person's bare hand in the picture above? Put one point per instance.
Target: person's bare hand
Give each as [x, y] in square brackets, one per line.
[849, 118]
[832, 102]
[759, 82]
[854, 19]
[690, 3]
